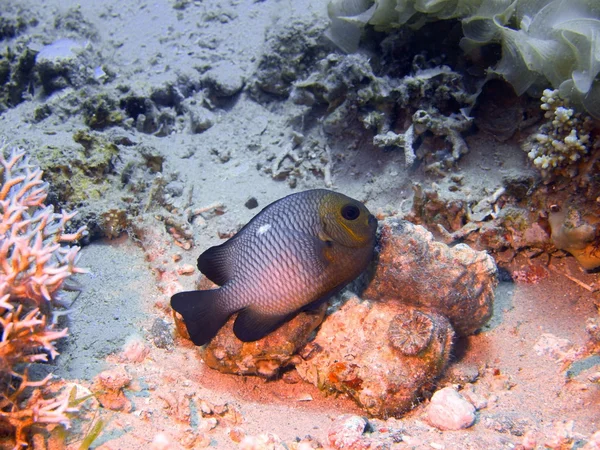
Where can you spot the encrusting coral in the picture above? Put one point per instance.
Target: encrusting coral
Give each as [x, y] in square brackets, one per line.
[33, 268]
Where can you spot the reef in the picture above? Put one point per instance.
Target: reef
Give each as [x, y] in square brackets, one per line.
[547, 41]
[427, 107]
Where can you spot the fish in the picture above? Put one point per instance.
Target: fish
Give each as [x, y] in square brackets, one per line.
[292, 256]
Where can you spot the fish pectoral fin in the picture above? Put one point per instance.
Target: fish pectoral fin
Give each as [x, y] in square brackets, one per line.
[217, 262]
[252, 325]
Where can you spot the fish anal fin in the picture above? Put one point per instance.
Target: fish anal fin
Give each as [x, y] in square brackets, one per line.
[251, 325]
[217, 262]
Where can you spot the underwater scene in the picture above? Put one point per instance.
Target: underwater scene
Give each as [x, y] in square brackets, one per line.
[300, 224]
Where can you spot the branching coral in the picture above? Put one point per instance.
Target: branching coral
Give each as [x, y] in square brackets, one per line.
[33, 268]
[563, 140]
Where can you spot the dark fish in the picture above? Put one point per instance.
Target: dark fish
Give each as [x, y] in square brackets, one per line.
[295, 254]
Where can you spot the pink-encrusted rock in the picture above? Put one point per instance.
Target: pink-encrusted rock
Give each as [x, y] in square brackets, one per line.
[380, 354]
[448, 410]
[265, 357]
[348, 433]
[414, 269]
[109, 385]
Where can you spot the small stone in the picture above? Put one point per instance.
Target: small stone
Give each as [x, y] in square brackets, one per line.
[474, 397]
[266, 441]
[448, 410]
[251, 203]
[186, 269]
[134, 351]
[109, 385]
[347, 431]
[161, 334]
[225, 78]
[114, 379]
[205, 425]
[236, 434]
[205, 407]
[201, 119]
[161, 442]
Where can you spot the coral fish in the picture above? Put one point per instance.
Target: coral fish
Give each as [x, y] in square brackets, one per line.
[292, 256]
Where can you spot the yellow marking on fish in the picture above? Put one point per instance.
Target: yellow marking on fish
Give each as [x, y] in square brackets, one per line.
[350, 232]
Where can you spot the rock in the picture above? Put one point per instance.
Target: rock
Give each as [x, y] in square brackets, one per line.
[62, 64]
[225, 78]
[448, 410]
[109, 387]
[474, 396]
[380, 354]
[510, 422]
[457, 282]
[354, 433]
[201, 119]
[227, 354]
[347, 431]
[161, 334]
[134, 351]
[291, 50]
[251, 203]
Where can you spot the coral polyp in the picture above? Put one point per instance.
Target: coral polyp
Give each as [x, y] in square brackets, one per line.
[410, 332]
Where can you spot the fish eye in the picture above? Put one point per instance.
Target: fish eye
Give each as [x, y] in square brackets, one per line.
[350, 212]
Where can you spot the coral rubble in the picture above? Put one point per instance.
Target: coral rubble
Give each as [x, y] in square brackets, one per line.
[404, 112]
[33, 268]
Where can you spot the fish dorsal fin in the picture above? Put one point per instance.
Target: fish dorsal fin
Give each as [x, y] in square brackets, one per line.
[251, 325]
[217, 263]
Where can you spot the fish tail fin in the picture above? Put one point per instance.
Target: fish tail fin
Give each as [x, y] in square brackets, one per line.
[202, 312]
